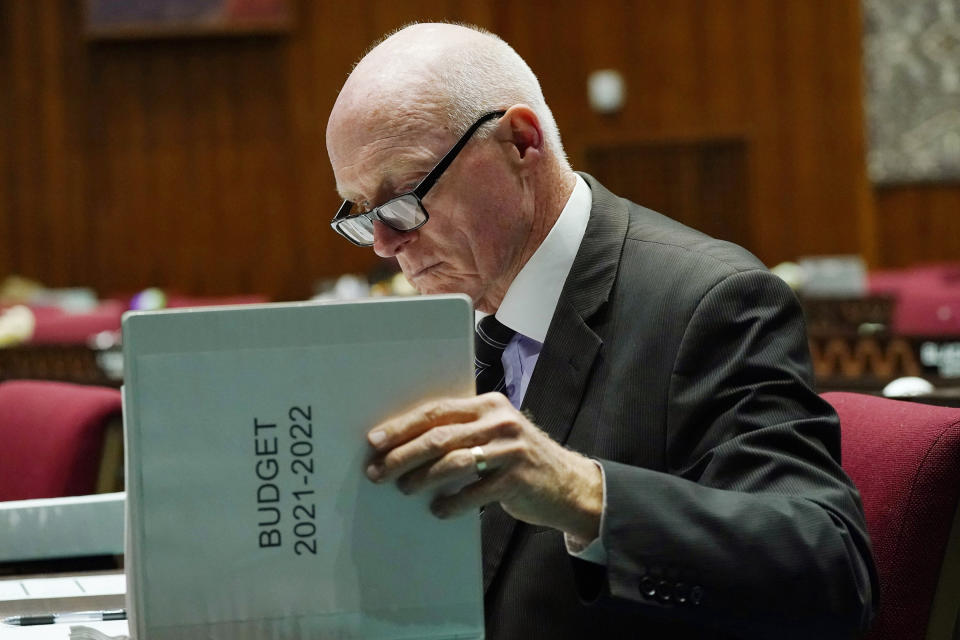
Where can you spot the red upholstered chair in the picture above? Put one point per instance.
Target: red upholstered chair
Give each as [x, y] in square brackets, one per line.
[927, 298]
[905, 459]
[53, 436]
[55, 326]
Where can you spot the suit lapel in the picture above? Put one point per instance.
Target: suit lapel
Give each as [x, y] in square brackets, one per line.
[570, 349]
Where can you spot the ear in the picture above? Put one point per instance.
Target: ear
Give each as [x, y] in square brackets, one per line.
[520, 126]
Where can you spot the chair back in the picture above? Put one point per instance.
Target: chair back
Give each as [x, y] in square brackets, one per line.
[904, 458]
[52, 437]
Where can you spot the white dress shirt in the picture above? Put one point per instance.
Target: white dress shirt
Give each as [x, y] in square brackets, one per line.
[528, 307]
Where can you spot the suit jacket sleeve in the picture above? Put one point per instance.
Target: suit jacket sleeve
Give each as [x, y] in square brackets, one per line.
[754, 528]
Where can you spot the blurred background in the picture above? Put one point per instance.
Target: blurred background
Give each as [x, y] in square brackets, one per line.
[171, 152]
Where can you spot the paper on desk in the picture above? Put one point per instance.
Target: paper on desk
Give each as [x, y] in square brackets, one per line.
[90, 633]
[70, 587]
[113, 630]
[12, 590]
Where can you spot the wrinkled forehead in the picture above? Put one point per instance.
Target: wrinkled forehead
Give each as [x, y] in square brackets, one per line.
[365, 122]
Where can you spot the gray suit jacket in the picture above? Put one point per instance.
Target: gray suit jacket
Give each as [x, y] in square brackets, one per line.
[681, 364]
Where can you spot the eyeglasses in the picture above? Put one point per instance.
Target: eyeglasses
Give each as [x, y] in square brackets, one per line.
[406, 211]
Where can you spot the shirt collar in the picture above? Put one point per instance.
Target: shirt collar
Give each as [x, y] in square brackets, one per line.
[529, 303]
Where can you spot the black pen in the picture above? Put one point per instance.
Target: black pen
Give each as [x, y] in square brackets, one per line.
[76, 616]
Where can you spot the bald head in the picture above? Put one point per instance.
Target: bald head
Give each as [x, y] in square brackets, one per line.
[447, 73]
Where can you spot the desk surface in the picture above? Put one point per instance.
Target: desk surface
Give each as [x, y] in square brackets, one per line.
[62, 631]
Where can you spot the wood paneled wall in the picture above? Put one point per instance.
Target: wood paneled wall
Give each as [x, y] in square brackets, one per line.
[918, 223]
[200, 163]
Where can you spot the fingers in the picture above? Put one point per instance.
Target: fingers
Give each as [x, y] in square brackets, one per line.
[438, 433]
[405, 427]
[455, 468]
[430, 446]
[473, 496]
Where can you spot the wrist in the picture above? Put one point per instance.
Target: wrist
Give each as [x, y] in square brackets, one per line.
[587, 501]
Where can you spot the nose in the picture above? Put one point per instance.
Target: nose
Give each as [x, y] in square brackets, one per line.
[389, 242]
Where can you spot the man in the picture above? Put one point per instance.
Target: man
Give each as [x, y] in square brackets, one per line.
[671, 470]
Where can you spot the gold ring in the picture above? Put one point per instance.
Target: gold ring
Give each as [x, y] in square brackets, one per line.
[479, 460]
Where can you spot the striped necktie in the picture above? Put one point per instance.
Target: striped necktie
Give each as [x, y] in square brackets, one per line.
[491, 339]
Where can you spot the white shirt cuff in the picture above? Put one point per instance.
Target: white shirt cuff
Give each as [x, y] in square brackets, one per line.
[590, 550]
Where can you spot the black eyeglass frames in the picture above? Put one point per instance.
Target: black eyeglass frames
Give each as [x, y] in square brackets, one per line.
[404, 212]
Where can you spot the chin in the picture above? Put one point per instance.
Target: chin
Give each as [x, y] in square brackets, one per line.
[437, 288]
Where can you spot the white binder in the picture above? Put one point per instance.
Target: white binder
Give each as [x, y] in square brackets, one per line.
[248, 512]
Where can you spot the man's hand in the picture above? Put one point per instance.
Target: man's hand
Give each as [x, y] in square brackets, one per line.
[533, 477]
